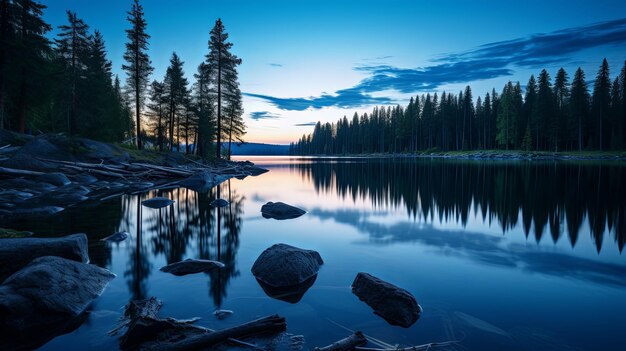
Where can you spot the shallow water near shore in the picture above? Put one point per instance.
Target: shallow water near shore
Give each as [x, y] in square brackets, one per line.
[500, 255]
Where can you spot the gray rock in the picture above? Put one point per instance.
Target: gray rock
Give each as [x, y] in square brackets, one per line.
[395, 305]
[116, 237]
[85, 179]
[13, 195]
[27, 185]
[24, 161]
[58, 199]
[280, 211]
[58, 179]
[48, 293]
[191, 266]
[219, 203]
[157, 202]
[202, 181]
[282, 265]
[30, 212]
[17, 253]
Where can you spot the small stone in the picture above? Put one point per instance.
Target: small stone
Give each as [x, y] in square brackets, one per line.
[157, 202]
[219, 203]
[116, 237]
[280, 211]
[191, 266]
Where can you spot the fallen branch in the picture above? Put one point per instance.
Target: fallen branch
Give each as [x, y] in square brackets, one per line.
[413, 348]
[19, 172]
[270, 324]
[346, 344]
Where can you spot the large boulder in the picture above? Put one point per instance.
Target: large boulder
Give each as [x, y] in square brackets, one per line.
[395, 305]
[282, 265]
[17, 253]
[202, 182]
[47, 298]
[280, 211]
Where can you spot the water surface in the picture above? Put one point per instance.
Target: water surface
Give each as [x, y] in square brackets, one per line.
[500, 255]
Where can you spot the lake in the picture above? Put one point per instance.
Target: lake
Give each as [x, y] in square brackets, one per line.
[500, 255]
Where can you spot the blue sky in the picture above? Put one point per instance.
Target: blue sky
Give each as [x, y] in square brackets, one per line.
[305, 61]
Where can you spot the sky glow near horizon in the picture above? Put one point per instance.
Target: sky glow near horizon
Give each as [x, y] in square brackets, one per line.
[305, 61]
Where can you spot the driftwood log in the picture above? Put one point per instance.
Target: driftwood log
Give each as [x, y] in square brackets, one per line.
[346, 344]
[147, 333]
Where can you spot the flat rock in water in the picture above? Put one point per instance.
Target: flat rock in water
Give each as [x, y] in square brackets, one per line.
[57, 179]
[191, 266]
[280, 211]
[282, 265]
[395, 305]
[49, 294]
[17, 253]
[222, 314]
[219, 203]
[157, 202]
[116, 237]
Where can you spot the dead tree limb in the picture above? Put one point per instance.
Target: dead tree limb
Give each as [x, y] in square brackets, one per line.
[270, 324]
[346, 344]
[19, 172]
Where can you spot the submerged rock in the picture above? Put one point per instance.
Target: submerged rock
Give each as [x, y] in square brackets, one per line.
[222, 314]
[191, 266]
[280, 211]
[282, 265]
[57, 179]
[116, 237]
[50, 293]
[395, 305]
[17, 253]
[157, 202]
[291, 294]
[219, 203]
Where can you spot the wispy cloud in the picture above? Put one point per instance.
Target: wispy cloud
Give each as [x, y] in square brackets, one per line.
[307, 124]
[346, 98]
[487, 61]
[257, 115]
[275, 64]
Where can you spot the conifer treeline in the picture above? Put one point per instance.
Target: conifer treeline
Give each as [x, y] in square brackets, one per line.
[66, 85]
[562, 116]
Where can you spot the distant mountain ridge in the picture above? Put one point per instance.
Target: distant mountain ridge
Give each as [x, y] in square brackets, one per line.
[260, 149]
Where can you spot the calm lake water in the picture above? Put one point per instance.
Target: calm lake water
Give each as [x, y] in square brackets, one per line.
[500, 255]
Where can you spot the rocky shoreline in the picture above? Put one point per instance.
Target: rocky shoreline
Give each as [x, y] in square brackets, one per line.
[43, 175]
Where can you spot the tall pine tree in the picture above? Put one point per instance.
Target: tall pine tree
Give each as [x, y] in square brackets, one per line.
[138, 66]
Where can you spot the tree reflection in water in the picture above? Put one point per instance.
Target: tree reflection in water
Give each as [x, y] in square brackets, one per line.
[188, 229]
[558, 195]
